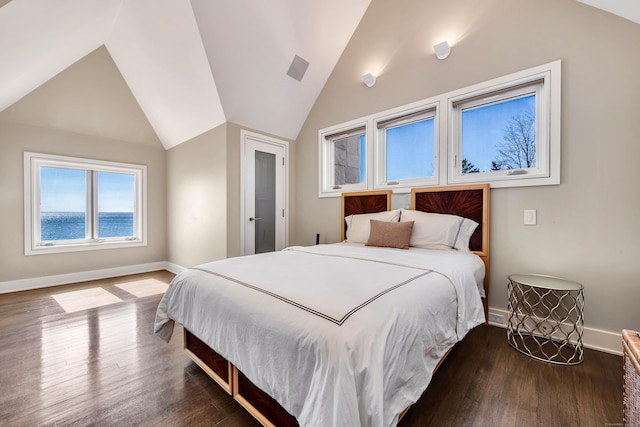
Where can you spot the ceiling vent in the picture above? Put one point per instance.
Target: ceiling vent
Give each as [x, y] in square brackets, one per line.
[298, 68]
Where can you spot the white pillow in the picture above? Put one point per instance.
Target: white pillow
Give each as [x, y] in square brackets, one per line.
[359, 226]
[432, 230]
[466, 231]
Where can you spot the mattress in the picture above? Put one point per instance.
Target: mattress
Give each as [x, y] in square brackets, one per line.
[339, 335]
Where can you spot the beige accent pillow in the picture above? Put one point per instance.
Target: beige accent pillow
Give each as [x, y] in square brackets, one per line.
[432, 230]
[359, 226]
[390, 234]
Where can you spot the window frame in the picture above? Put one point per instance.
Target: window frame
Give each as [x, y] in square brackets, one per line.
[32, 214]
[404, 117]
[447, 148]
[545, 79]
[326, 154]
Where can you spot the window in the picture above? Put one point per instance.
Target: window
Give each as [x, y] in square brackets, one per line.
[406, 149]
[345, 154]
[507, 131]
[76, 204]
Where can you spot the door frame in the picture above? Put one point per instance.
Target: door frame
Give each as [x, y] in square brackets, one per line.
[245, 135]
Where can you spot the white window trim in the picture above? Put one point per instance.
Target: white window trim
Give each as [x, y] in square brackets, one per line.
[326, 156]
[547, 170]
[444, 150]
[379, 142]
[32, 164]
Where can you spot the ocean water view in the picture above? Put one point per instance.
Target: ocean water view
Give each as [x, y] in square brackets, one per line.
[71, 225]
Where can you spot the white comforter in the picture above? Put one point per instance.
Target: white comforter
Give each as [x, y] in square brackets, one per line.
[339, 335]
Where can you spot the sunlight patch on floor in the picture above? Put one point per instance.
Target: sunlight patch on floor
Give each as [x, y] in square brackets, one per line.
[144, 287]
[85, 299]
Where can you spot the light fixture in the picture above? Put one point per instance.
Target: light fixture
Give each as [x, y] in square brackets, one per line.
[369, 79]
[442, 49]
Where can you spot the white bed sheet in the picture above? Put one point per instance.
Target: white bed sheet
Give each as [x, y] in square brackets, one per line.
[362, 370]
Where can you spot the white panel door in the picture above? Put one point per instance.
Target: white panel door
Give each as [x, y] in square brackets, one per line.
[264, 194]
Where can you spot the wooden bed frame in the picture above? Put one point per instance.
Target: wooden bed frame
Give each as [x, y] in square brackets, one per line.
[471, 201]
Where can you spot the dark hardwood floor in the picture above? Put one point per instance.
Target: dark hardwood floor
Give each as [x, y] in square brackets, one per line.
[104, 366]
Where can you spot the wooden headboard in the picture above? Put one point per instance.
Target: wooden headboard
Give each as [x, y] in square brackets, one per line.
[364, 202]
[469, 201]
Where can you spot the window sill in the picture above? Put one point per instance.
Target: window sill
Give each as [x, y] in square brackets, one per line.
[82, 247]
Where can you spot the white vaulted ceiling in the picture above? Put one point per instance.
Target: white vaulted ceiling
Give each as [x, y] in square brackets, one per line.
[193, 65]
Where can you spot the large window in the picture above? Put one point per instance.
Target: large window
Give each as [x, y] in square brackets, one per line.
[505, 131]
[79, 204]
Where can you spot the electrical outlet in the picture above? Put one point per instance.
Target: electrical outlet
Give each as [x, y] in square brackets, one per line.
[496, 318]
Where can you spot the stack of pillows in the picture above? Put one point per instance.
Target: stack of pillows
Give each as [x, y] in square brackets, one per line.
[404, 228]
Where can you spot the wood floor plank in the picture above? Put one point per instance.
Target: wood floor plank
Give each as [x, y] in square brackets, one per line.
[104, 366]
[484, 382]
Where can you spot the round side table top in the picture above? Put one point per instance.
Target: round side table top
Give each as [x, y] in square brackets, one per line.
[546, 282]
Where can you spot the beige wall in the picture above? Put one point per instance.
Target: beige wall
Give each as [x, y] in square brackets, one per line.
[233, 189]
[15, 139]
[587, 225]
[197, 199]
[85, 111]
[204, 196]
[90, 97]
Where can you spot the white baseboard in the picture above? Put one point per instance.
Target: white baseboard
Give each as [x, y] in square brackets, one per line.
[174, 268]
[63, 279]
[609, 342]
[595, 339]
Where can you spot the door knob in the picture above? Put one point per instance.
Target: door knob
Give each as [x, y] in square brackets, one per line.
[254, 219]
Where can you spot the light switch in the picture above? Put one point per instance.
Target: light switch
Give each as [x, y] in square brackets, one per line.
[530, 217]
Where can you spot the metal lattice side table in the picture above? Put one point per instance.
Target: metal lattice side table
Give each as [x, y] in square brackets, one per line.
[546, 318]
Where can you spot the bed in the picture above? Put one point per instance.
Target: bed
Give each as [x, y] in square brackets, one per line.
[340, 334]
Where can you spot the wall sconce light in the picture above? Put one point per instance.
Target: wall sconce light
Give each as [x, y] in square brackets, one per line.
[442, 50]
[369, 79]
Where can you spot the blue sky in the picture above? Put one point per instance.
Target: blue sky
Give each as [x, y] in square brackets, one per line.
[410, 151]
[64, 190]
[484, 129]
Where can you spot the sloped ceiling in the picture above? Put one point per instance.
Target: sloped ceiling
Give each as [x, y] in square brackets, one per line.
[629, 9]
[193, 65]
